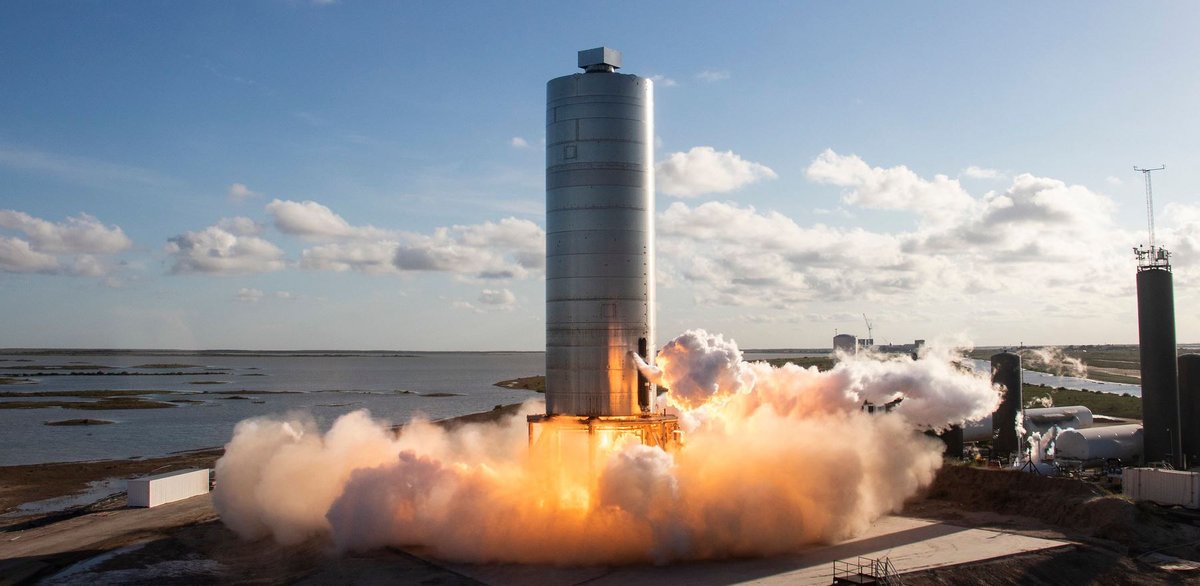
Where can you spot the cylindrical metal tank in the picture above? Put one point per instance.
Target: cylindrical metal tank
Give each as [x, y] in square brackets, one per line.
[847, 343]
[1006, 372]
[599, 239]
[953, 438]
[1123, 442]
[1156, 336]
[1189, 406]
[1042, 419]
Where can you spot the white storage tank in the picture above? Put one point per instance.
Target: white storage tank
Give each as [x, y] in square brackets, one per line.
[1165, 487]
[1123, 442]
[846, 343]
[152, 491]
[1038, 420]
[1043, 419]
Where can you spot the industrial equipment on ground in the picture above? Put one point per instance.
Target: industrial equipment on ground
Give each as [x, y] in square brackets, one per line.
[600, 255]
[865, 571]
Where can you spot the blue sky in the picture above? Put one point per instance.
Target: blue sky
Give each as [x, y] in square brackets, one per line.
[244, 174]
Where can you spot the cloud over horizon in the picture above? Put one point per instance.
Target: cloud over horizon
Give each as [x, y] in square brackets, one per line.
[703, 170]
[76, 247]
[217, 250]
[1059, 242]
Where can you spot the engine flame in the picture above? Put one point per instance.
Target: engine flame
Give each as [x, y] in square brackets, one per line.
[775, 458]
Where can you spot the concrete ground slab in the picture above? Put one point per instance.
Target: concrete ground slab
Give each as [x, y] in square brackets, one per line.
[911, 545]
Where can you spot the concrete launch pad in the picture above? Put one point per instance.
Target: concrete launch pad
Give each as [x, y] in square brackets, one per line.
[911, 545]
[185, 540]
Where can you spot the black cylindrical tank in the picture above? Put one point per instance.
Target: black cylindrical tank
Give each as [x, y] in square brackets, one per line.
[1189, 406]
[953, 438]
[1160, 395]
[1006, 372]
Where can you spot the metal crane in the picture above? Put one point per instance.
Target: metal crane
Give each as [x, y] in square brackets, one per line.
[1149, 200]
[870, 335]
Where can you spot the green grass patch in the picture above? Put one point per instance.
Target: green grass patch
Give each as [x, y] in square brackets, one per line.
[80, 394]
[821, 362]
[101, 405]
[529, 383]
[74, 422]
[1113, 405]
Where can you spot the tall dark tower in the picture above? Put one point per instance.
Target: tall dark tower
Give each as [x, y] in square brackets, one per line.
[1006, 373]
[1156, 339]
[1189, 406]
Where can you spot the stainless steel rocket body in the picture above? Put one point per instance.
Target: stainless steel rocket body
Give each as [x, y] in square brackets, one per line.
[599, 242]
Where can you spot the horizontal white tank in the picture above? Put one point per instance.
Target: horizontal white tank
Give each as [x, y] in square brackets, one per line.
[1165, 487]
[152, 491]
[1100, 443]
[1041, 420]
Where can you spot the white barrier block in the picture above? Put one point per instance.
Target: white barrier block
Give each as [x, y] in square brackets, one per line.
[1165, 487]
[152, 491]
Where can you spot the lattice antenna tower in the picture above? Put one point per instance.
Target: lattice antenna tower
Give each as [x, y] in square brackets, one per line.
[1151, 257]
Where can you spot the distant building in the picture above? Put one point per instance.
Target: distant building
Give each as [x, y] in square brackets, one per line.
[847, 343]
[912, 349]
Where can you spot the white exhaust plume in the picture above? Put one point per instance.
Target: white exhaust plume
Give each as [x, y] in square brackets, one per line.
[1052, 360]
[782, 457]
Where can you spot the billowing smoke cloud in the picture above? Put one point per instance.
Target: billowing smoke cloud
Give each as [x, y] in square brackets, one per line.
[783, 457]
[1052, 360]
[699, 368]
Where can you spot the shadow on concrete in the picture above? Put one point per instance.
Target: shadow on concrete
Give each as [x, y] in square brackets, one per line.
[706, 573]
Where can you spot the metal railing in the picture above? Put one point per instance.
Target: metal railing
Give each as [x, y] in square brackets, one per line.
[880, 571]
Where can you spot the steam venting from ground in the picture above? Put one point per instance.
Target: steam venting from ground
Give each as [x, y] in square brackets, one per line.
[1052, 360]
[773, 459]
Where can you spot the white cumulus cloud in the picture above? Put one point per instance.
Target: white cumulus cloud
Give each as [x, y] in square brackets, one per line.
[82, 234]
[703, 170]
[314, 221]
[981, 173]
[1039, 245]
[510, 248]
[372, 257]
[238, 192]
[80, 246]
[505, 249]
[498, 298]
[17, 256]
[215, 250]
[519, 143]
[893, 188]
